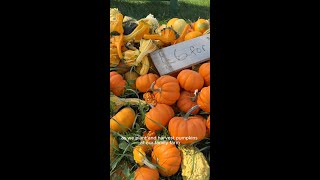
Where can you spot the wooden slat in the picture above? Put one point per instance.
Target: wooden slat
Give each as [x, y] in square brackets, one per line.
[183, 55]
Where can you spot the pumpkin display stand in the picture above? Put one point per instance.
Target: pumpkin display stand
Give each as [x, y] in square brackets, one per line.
[159, 98]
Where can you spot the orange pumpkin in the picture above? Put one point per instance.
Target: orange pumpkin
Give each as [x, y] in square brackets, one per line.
[190, 80]
[117, 83]
[204, 99]
[182, 127]
[201, 25]
[204, 71]
[186, 101]
[166, 90]
[168, 156]
[123, 120]
[158, 115]
[144, 82]
[192, 34]
[146, 173]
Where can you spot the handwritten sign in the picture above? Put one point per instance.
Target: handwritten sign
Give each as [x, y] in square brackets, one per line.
[183, 55]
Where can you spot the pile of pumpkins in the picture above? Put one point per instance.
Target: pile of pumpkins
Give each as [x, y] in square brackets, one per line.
[186, 93]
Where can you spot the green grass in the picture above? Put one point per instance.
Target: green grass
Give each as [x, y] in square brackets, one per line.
[188, 9]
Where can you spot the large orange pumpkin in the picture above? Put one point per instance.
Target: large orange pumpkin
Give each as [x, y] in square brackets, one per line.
[146, 173]
[186, 101]
[158, 115]
[190, 80]
[187, 130]
[144, 82]
[201, 25]
[166, 90]
[168, 156]
[123, 120]
[204, 99]
[192, 34]
[117, 83]
[204, 71]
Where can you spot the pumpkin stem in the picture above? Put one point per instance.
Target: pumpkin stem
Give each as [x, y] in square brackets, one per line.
[152, 87]
[195, 95]
[148, 163]
[186, 116]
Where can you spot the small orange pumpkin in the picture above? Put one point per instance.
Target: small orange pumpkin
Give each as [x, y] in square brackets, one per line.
[204, 71]
[192, 34]
[117, 83]
[168, 156]
[158, 115]
[166, 90]
[190, 80]
[123, 120]
[186, 101]
[144, 82]
[204, 99]
[146, 173]
[201, 25]
[182, 127]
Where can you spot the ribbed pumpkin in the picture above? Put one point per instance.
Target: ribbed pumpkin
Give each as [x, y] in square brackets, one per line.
[190, 80]
[144, 82]
[186, 101]
[204, 99]
[117, 83]
[113, 145]
[186, 126]
[166, 90]
[201, 25]
[160, 114]
[168, 156]
[131, 78]
[204, 71]
[192, 35]
[146, 173]
[123, 120]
